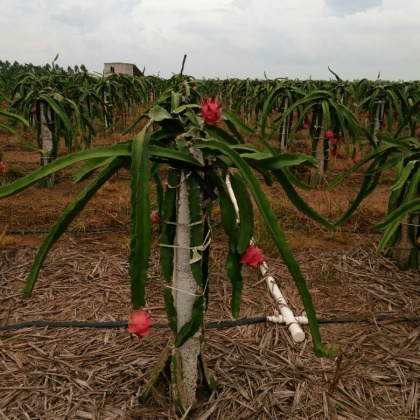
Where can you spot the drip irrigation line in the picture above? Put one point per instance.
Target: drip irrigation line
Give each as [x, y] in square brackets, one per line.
[102, 229]
[105, 229]
[339, 229]
[17, 149]
[209, 325]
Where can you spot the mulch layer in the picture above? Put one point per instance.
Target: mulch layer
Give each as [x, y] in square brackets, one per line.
[91, 373]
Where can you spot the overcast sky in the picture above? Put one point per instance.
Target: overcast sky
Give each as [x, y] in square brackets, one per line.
[297, 39]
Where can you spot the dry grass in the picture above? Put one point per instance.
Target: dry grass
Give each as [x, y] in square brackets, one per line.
[72, 373]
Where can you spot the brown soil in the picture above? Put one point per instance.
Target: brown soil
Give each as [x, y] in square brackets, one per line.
[37, 208]
[71, 373]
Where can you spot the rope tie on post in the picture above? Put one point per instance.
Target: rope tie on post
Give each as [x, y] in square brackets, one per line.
[196, 256]
[189, 293]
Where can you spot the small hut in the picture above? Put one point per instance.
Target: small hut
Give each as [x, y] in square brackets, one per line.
[122, 68]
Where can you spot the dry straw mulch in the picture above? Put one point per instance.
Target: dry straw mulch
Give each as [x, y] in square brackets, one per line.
[73, 373]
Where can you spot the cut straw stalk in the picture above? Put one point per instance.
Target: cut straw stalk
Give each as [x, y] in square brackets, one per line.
[287, 315]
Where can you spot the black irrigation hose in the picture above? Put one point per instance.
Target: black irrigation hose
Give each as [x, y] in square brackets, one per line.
[221, 324]
[124, 229]
[339, 229]
[81, 230]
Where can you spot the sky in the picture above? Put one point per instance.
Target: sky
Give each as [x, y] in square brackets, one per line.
[296, 39]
